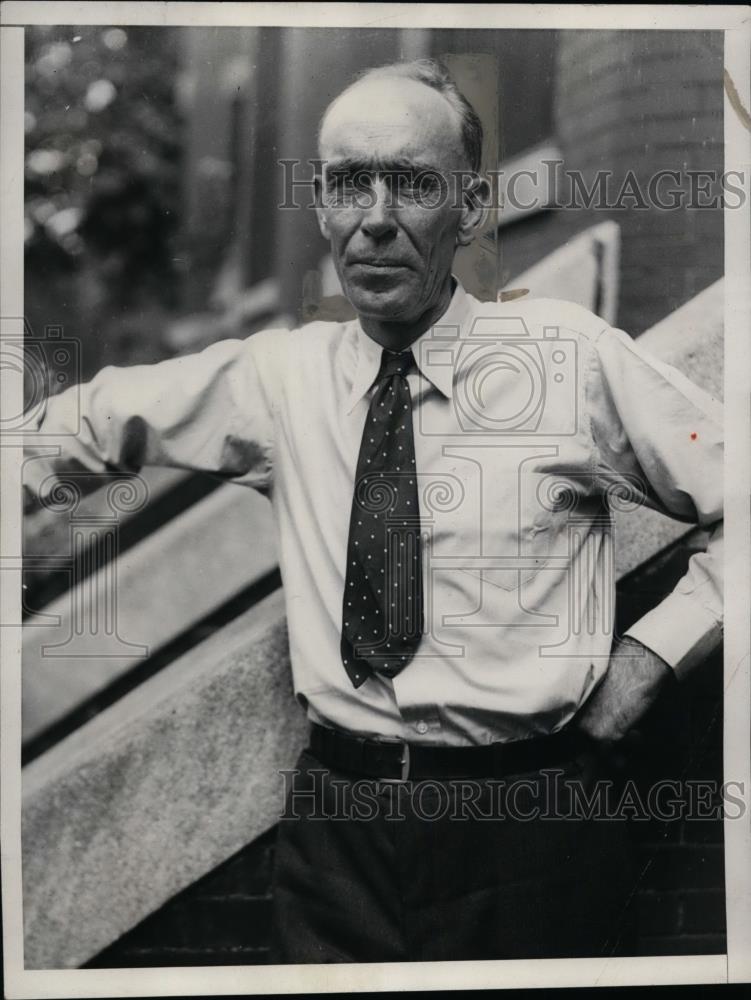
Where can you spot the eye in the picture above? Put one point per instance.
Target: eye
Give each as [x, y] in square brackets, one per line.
[431, 187]
[421, 186]
[405, 182]
[338, 182]
[347, 186]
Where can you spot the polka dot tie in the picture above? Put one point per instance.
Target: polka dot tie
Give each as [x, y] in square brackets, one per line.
[382, 619]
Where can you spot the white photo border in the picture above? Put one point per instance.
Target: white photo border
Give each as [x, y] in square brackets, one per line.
[735, 966]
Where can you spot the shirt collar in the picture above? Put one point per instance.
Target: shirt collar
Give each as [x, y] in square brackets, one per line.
[430, 359]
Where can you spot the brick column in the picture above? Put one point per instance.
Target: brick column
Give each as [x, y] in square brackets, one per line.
[646, 101]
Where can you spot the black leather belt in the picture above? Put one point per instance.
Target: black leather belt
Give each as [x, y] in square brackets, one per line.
[395, 760]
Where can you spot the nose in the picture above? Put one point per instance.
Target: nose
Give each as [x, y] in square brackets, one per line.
[378, 220]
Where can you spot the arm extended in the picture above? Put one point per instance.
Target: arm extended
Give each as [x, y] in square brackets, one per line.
[210, 412]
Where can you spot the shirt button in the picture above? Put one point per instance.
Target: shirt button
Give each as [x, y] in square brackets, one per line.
[422, 727]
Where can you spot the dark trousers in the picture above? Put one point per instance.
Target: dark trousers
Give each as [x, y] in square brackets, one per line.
[368, 871]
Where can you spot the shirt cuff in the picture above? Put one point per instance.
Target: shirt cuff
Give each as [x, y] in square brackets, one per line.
[680, 631]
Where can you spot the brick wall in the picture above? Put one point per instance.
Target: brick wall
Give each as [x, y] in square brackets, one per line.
[222, 919]
[645, 102]
[680, 900]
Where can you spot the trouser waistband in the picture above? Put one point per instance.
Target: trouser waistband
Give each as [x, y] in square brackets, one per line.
[396, 760]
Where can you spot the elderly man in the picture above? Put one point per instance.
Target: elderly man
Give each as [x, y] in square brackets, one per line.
[442, 473]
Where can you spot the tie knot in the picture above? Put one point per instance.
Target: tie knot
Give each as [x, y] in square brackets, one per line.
[396, 364]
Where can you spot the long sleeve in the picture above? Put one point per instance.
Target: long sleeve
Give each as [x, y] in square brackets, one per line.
[652, 424]
[212, 411]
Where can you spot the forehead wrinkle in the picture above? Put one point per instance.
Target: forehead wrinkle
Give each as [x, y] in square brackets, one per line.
[378, 164]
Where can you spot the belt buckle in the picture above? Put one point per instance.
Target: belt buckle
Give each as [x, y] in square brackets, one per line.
[405, 762]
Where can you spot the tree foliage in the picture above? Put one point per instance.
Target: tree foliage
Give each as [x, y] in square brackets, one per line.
[103, 145]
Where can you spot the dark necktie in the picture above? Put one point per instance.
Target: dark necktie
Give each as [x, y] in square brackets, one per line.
[382, 618]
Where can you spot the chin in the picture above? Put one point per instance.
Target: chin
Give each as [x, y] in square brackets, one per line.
[393, 304]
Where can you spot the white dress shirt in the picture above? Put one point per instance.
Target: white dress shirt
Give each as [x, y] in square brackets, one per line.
[532, 420]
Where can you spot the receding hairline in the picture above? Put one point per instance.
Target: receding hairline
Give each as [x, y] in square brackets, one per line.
[380, 74]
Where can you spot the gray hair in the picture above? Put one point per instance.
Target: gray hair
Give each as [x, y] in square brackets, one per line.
[433, 74]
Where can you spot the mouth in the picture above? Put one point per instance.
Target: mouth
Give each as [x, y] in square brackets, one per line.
[376, 266]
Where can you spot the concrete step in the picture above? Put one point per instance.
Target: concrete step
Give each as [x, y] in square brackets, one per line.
[585, 270]
[136, 603]
[166, 784]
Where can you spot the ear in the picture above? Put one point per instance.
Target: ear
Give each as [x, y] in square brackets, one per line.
[475, 210]
[320, 209]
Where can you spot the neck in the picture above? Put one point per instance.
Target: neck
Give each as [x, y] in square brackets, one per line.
[398, 336]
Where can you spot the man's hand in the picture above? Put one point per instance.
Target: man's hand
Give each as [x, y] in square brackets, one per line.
[633, 681]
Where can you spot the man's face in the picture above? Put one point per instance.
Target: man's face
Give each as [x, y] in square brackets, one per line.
[392, 242]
